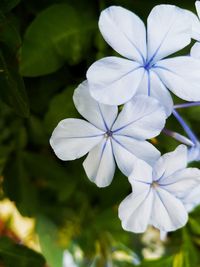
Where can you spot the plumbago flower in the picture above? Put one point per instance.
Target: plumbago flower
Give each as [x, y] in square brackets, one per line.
[107, 136]
[115, 80]
[159, 193]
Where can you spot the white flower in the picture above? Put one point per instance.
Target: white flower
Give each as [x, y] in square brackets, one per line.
[107, 136]
[159, 193]
[115, 80]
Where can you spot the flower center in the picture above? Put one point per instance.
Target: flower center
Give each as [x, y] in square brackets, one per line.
[154, 184]
[108, 134]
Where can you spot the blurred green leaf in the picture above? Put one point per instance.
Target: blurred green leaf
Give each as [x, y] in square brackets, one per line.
[7, 5]
[58, 34]
[47, 232]
[12, 255]
[163, 262]
[61, 107]
[12, 86]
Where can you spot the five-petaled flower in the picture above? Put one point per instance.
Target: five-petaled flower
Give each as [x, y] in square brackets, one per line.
[159, 193]
[109, 137]
[115, 80]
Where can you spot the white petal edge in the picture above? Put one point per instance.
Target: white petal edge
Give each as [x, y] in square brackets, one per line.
[142, 118]
[195, 50]
[124, 32]
[114, 80]
[168, 212]
[181, 75]
[73, 138]
[102, 116]
[100, 165]
[168, 31]
[170, 163]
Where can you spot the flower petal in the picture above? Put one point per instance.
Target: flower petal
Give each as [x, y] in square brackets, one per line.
[124, 158]
[102, 116]
[192, 199]
[114, 80]
[142, 118]
[181, 75]
[140, 149]
[73, 138]
[168, 212]
[100, 165]
[168, 31]
[195, 50]
[195, 34]
[171, 162]
[124, 32]
[197, 4]
[181, 182]
[135, 211]
[152, 85]
[142, 172]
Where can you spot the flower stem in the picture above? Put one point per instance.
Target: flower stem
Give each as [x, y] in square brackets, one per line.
[186, 128]
[187, 105]
[182, 139]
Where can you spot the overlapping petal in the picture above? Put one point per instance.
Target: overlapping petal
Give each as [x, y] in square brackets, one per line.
[168, 212]
[135, 210]
[123, 145]
[153, 86]
[124, 32]
[181, 76]
[99, 164]
[100, 115]
[168, 31]
[195, 50]
[181, 182]
[73, 138]
[142, 118]
[170, 162]
[114, 80]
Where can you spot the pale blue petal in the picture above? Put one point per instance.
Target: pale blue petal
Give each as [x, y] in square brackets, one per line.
[195, 50]
[100, 165]
[168, 30]
[142, 118]
[170, 163]
[135, 210]
[73, 138]
[192, 199]
[141, 149]
[114, 80]
[181, 182]
[168, 212]
[124, 158]
[102, 116]
[124, 31]
[152, 85]
[142, 173]
[181, 75]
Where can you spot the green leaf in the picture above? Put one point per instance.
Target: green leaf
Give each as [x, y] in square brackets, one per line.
[61, 107]
[7, 5]
[12, 254]
[47, 232]
[58, 34]
[11, 83]
[163, 262]
[18, 186]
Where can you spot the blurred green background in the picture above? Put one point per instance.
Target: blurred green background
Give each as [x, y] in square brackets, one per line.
[46, 47]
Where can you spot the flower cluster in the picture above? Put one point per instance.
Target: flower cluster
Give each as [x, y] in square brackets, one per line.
[164, 189]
